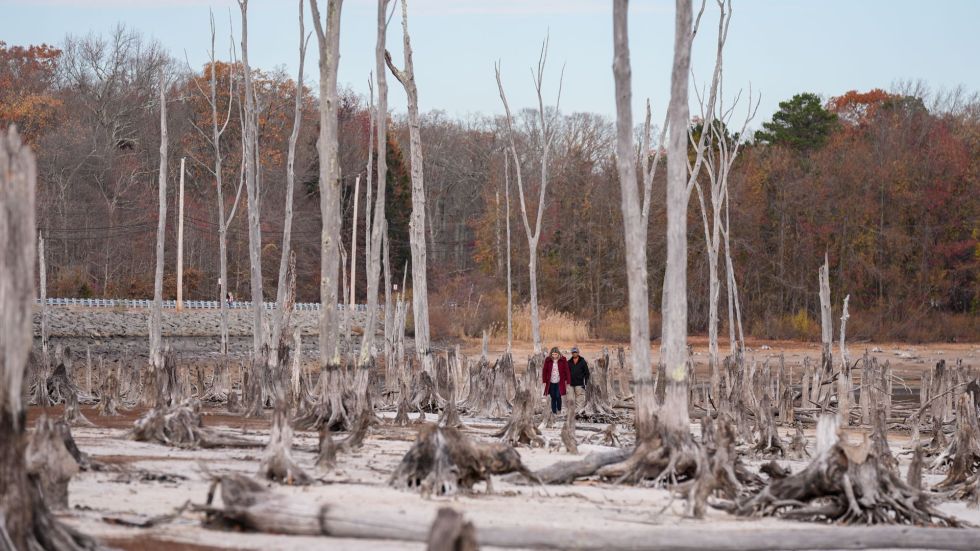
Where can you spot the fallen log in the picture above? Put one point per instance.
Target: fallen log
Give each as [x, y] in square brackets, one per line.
[248, 505]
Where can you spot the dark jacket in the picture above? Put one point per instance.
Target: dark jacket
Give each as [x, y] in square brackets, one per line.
[580, 371]
[563, 375]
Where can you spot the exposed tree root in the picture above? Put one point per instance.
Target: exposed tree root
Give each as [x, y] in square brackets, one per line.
[846, 484]
[330, 407]
[566, 472]
[278, 463]
[797, 446]
[963, 453]
[401, 417]
[50, 462]
[768, 441]
[62, 389]
[521, 428]
[181, 426]
[450, 414]
[109, 397]
[444, 462]
[424, 395]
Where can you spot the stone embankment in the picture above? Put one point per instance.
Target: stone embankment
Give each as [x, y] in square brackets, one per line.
[118, 334]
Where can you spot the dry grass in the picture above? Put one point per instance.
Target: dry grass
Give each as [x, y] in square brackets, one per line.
[555, 326]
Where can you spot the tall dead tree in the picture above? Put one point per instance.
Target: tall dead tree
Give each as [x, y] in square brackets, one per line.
[510, 287]
[720, 151]
[547, 131]
[220, 385]
[416, 225]
[328, 42]
[258, 372]
[43, 282]
[156, 313]
[378, 219]
[25, 521]
[282, 289]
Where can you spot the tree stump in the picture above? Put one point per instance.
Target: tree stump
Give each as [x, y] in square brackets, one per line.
[443, 461]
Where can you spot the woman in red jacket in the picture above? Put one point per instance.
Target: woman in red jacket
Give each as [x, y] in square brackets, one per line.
[555, 376]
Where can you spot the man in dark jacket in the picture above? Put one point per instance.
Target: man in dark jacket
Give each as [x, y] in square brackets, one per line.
[580, 376]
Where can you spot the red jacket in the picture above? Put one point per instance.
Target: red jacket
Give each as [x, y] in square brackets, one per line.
[564, 375]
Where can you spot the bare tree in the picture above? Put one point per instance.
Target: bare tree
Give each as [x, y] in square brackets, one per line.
[328, 41]
[546, 138]
[720, 151]
[156, 313]
[420, 291]
[378, 219]
[256, 375]
[220, 385]
[43, 282]
[510, 287]
[283, 288]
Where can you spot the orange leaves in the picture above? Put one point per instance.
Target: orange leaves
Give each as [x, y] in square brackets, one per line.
[26, 88]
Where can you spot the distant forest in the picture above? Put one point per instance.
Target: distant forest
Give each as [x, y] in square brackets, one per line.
[885, 183]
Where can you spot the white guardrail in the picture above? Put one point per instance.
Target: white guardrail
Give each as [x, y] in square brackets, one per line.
[188, 304]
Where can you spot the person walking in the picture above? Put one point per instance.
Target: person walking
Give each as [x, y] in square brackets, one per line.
[555, 377]
[579, 369]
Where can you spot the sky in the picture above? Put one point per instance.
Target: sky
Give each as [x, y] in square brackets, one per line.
[778, 47]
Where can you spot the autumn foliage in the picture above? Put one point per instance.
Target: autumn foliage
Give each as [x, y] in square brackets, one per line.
[884, 182]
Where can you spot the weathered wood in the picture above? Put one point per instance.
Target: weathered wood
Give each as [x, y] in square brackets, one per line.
[416, 226]
[25, 521]
[450, 532]
[443, 461]
[156, 312]
[248, 505]
[378, 227]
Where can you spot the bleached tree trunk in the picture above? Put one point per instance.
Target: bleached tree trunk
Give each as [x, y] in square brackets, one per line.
[510, 287]
[283, 285]
[252, 191]
[826, 324]
[25, 521]
[547, 134]
[378, 220]
[634, 223]
[416, 226]
[844, 382]
[353, 263]
[180, 239]
[220, 385]
[674, 414]
[43, 282]
[328, 41]
[719, 153]
[18, 175]
[156, 313]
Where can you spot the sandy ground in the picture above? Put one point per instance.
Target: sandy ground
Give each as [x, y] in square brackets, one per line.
[146, 480]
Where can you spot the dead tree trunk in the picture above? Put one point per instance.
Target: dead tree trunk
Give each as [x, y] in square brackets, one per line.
[546, 128]
[257, 392]
[378, 219]
[331, 381]
[25, 521]
[420, 292]
[443, 461]
[43, 282]
[844, 382]
[826, 330]
[286, 285]
[156, 313]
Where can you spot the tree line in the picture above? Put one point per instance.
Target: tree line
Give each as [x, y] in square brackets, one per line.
[883, 182]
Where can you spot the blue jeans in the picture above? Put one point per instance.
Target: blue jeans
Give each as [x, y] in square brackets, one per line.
[555, 393]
